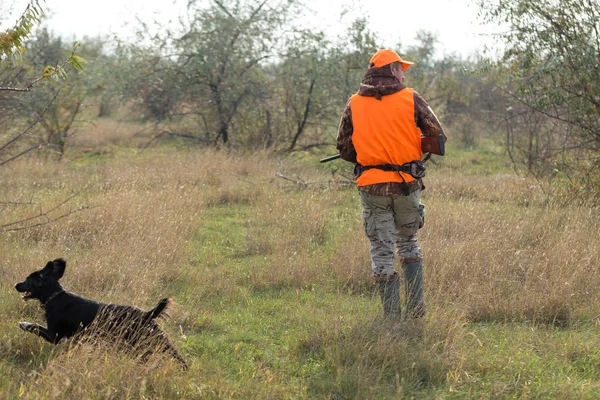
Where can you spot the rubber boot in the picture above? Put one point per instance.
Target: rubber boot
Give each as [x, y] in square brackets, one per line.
[389, 290]
[413, 282]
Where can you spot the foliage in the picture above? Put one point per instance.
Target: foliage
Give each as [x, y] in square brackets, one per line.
[47, 113]
[221, 52]
[104, 78]
[316, 76]
[550, 66]
[12, 40]
[246, 67]
[15, 77]
[298, 89]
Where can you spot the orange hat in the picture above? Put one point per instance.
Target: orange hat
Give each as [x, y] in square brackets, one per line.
[385, 57]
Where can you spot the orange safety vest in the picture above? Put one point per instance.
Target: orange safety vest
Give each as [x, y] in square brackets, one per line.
[385, 132]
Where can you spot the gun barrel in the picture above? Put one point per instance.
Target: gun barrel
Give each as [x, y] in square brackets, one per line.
[330, 158]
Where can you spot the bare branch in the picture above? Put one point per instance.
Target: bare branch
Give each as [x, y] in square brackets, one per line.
[43, 218]
[297, 181]
[20, 228]
[321, 183]
[224, 9]
[16, 203]
[302, 124]
[54, 72]
[26, 131]
[32, 148]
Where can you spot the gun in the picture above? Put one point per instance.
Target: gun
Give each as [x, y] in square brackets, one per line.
[434, 145]
[330, 158]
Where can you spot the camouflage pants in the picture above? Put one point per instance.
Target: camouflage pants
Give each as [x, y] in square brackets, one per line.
[392, 222]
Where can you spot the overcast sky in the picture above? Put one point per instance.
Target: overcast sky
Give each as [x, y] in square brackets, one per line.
[454, 21]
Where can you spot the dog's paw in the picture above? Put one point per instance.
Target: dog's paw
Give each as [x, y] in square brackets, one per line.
[27, 327]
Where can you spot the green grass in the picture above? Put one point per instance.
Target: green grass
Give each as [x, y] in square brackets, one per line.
[520, 360]
[488, 158]
[282, 337]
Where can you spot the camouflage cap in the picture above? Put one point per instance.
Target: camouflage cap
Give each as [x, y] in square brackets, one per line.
[386, 56]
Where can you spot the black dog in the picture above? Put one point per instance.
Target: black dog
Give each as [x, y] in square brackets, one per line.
[68, 314]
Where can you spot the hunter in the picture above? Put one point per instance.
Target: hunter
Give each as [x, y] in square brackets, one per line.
[380, 132]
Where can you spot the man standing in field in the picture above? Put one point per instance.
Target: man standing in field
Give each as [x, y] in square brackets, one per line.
[380, 131]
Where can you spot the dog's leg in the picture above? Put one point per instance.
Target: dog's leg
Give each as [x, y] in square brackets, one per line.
[169, 349]
[38, 330]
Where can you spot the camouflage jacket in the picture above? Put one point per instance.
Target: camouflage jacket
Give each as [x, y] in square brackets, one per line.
[379, 82]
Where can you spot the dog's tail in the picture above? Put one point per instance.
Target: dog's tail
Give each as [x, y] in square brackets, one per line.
[161, 310]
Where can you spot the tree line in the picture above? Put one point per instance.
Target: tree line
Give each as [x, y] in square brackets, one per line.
[247, 74]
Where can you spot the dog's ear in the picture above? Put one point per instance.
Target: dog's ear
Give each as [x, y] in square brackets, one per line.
[58, 268]
[48, 268]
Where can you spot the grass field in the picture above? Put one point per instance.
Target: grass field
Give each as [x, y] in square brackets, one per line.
[272, 286]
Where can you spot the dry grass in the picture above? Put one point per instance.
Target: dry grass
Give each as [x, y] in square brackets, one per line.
[272, 281]
[503, 256]
[104, 132]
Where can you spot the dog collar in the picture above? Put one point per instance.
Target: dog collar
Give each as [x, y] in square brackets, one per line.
[52, 297]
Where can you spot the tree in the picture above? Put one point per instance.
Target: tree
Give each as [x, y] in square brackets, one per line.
[16, 76]
[248, 75]
[315, 78]
[550, 64]
[305, 96]
[49, 112]
[352, 55]
[12, 40]
[299, 88]
[15, 144]
[220, 54]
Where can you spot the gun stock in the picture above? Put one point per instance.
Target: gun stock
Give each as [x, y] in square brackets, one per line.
[434, 145]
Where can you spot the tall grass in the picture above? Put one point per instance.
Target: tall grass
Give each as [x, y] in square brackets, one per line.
[272, 286]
